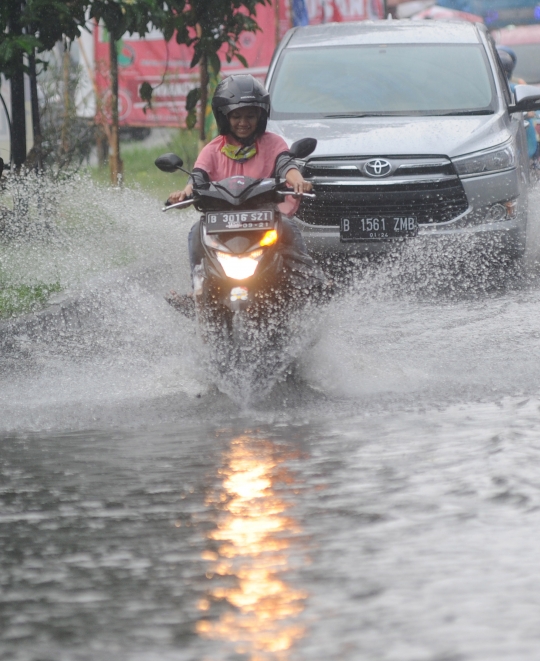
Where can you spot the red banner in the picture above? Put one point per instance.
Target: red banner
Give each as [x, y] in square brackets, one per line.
[337, 11]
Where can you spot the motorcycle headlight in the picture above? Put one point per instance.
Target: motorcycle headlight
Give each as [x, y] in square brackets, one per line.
[493, 160]
[239, 268]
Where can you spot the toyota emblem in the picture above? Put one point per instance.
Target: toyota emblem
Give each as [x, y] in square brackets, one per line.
[377, 167]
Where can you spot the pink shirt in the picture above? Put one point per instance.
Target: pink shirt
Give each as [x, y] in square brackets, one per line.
[218, 166]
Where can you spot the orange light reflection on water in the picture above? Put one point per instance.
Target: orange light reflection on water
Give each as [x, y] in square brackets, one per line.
[254, 538]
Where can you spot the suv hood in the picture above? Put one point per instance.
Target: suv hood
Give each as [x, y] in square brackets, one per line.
[393, 136]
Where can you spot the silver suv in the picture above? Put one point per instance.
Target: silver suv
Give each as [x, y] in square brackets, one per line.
[418, 133]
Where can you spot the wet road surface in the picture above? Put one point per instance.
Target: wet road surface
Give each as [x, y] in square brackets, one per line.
[382, 501]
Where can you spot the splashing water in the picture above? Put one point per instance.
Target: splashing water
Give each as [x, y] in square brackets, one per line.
[247, 361]
[115, 255]
[429, 325]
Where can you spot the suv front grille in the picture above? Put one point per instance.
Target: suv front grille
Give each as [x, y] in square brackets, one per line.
[354, 166]
[428, 190]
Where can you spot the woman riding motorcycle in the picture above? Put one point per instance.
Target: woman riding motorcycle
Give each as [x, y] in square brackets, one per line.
[241, 106]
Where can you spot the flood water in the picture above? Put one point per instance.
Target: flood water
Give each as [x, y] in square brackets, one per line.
[380, 500]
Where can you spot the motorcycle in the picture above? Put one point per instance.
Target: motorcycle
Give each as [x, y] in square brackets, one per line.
[249, 284]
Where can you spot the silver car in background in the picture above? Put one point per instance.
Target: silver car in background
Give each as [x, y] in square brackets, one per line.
[418, 133]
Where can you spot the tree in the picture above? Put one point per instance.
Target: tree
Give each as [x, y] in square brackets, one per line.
[50, 21]
[210, 27]
[28, 27]
[119, 17]
[13, 46]
[31, 27]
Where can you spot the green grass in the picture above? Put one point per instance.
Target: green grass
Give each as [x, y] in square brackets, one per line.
[18, 299]
[139, 168]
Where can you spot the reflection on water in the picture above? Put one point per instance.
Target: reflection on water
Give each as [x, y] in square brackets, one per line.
[251, 554]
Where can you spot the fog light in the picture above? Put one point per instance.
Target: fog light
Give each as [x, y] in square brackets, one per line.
[496, 212]
[511, 208]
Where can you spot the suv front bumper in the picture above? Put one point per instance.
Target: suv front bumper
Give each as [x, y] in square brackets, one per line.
[482, 193]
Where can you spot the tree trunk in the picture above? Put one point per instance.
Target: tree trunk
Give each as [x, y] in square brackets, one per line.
[18, 115]
[18, 110]
[115, 161]
[203, 71]
[67, 103]
[36, 123]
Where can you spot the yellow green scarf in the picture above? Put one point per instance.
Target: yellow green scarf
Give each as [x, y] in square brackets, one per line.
[239, 153]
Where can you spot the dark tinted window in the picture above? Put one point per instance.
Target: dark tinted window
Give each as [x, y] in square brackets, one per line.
[397, 79]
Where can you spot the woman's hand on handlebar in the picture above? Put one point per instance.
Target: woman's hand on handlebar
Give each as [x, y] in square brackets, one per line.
[180, 195]
[297, 182]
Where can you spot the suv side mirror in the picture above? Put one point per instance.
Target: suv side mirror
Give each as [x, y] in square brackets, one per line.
[304, 147]
[169, 162]
[527, 98]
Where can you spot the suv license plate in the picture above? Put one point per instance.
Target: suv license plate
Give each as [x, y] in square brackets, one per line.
[378, 227]
[239, 221]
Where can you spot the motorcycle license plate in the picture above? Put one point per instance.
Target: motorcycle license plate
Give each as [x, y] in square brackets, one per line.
[239, 221]
[378, 227]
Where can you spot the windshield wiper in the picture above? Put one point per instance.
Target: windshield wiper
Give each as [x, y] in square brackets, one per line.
[464, 112]
[448, 113]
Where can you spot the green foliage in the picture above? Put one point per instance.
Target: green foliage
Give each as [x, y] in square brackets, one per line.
[191, 118]
[207, 26]
[193, 98]
[145, 92]
[10, 48]
[120, 16]
[52, 20]
[191, 103]
[210, 25]
[36, 25]
[17, 299]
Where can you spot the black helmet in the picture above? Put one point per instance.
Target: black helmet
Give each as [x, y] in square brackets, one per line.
[508, 60]
[240, 91]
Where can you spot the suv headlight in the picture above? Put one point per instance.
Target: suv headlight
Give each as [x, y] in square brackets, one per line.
[492, 160]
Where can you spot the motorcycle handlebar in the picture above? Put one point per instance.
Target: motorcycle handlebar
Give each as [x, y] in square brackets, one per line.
[284, 193]
[187, 203]
[178, 205]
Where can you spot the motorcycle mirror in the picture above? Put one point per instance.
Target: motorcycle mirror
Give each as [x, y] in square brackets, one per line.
[302, 148]
[169, 162]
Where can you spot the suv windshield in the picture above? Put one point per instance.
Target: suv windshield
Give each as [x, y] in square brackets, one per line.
[410, 79]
